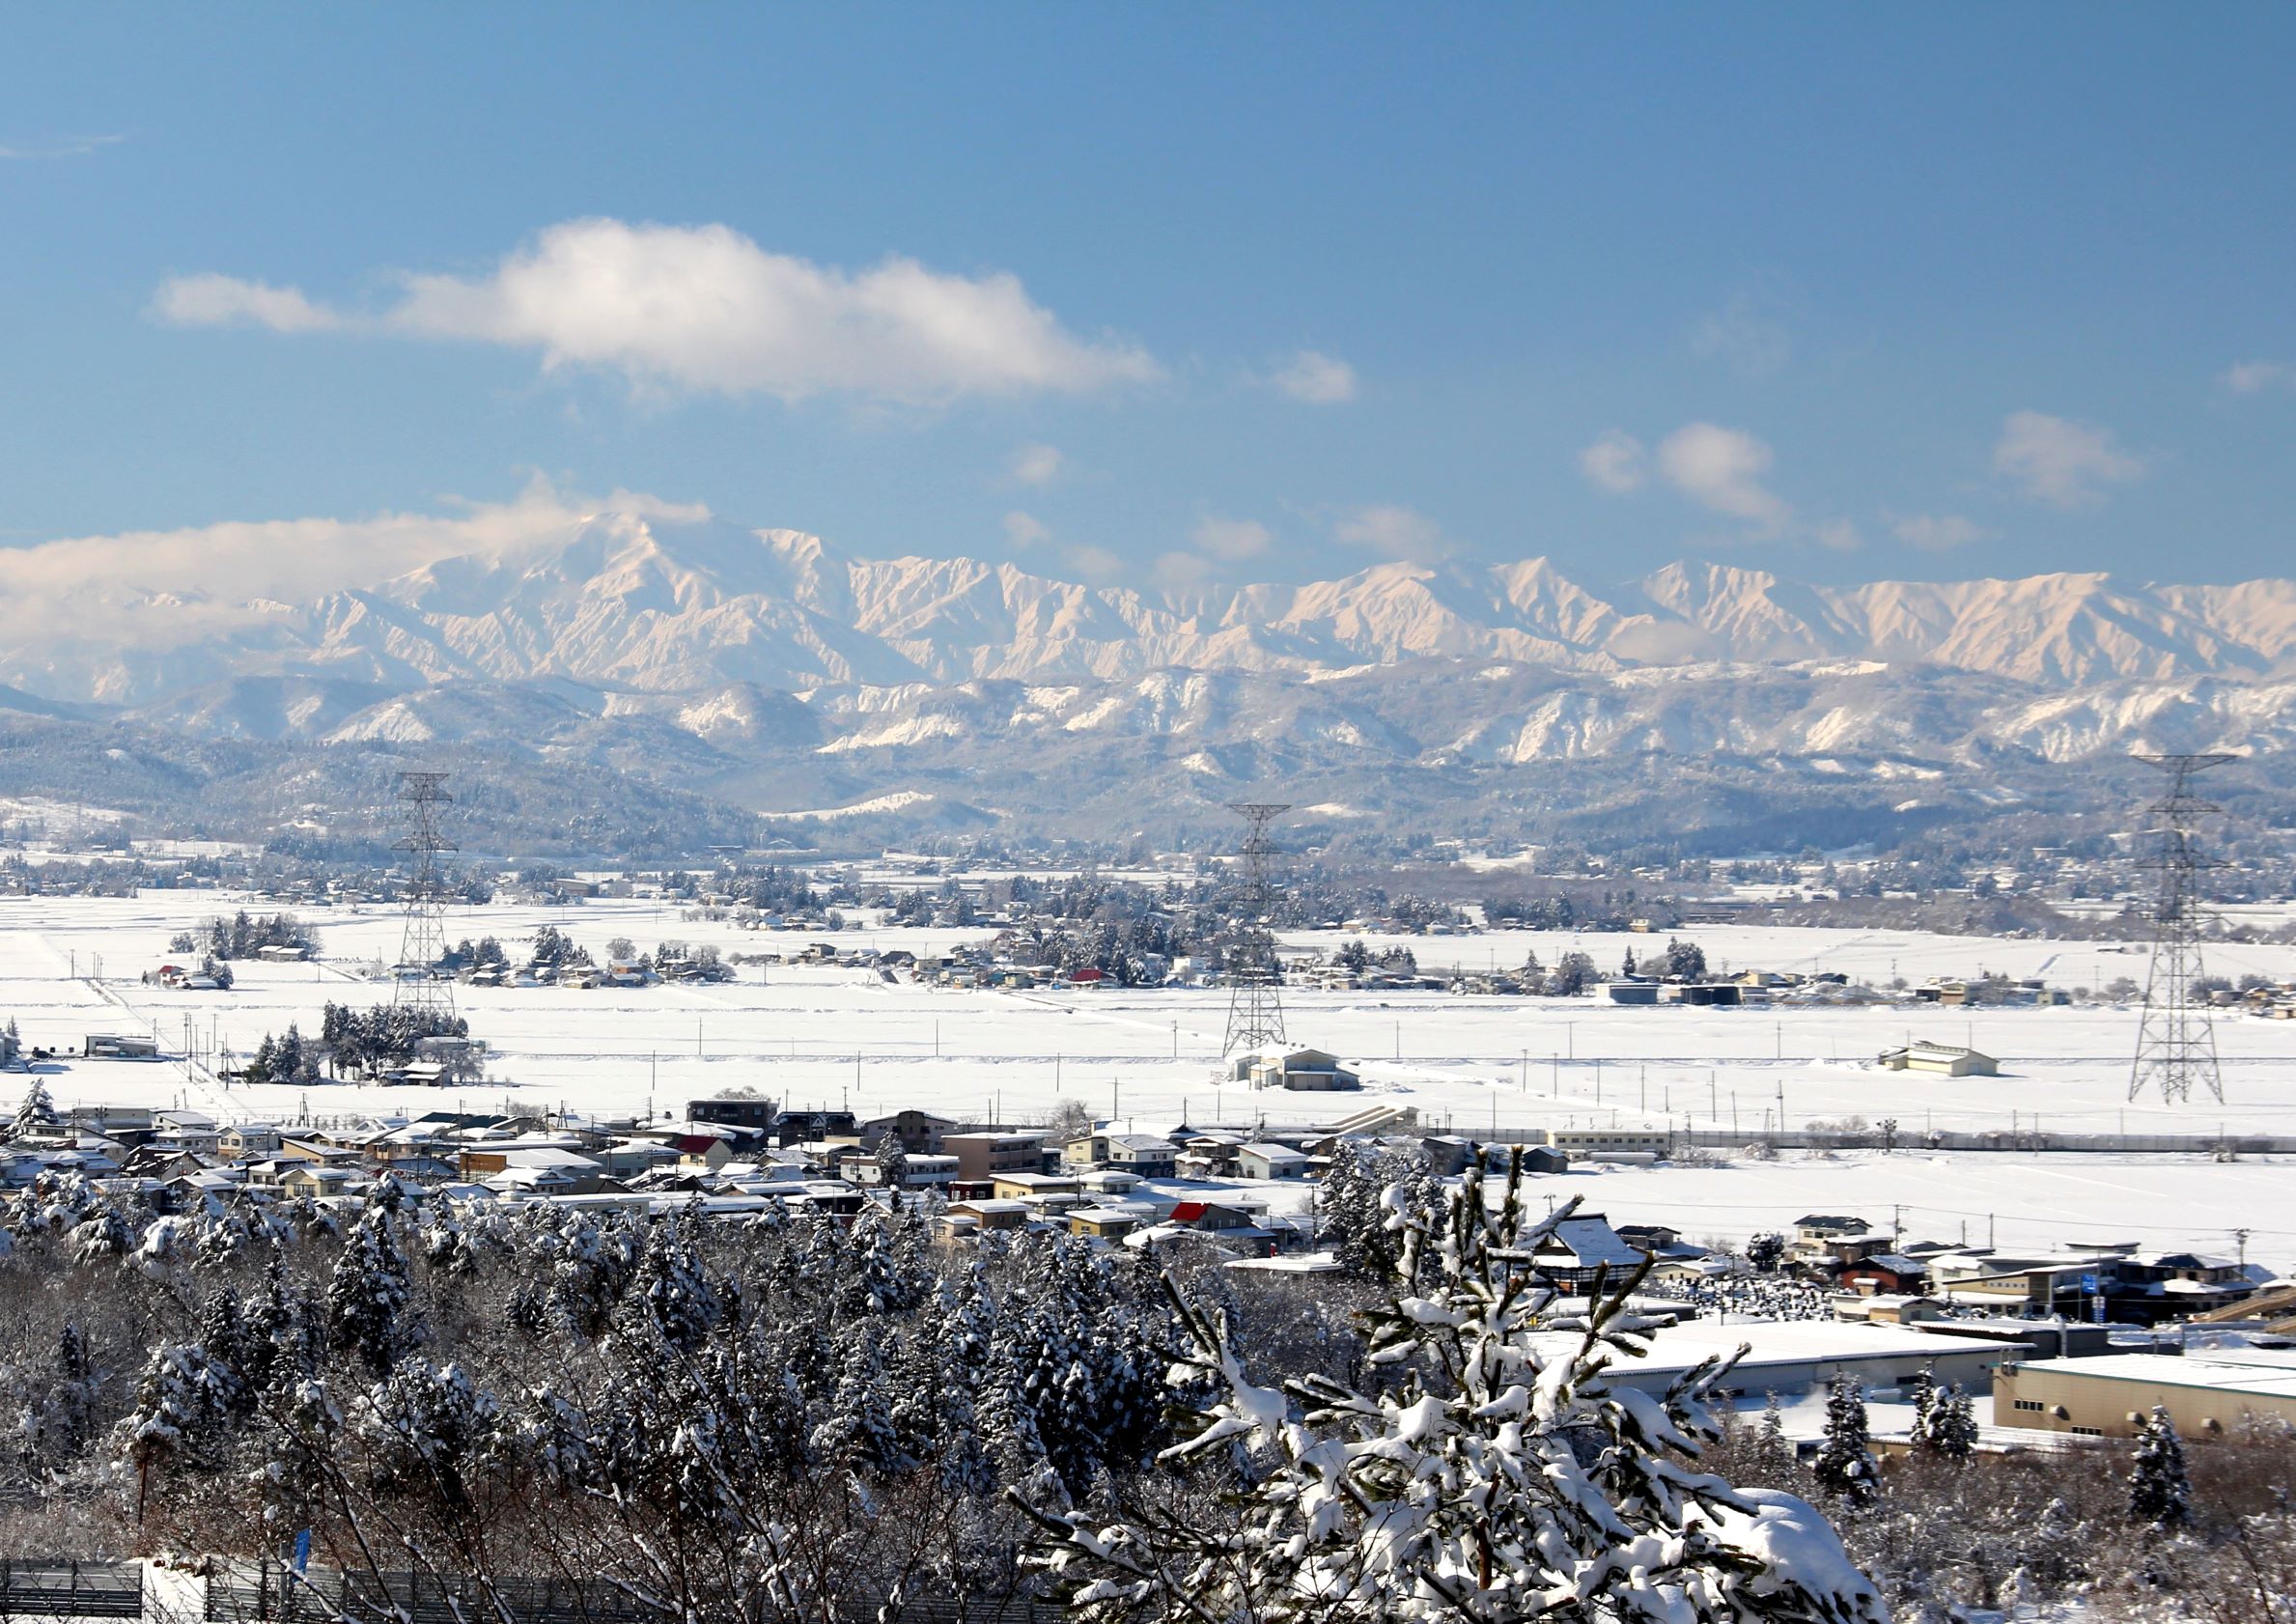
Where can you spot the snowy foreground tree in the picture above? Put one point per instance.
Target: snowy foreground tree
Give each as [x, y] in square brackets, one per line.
[1492, 1476]
[2159, 1491]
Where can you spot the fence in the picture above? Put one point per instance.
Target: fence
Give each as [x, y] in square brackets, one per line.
[269, 1593]
[58, 1588]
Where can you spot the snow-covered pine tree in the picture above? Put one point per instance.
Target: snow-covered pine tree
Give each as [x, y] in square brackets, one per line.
[2160, 1492]
[1776, 1447]
[368, 1294]
[1352, 1219]
[37, 1110]
[857, 1433]
[1844, 1464]
[54, 1424]
[1953, 1426]
[1494, 1477]
[1924, 1396]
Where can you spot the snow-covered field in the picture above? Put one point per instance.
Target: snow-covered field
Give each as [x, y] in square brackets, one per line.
[829, 1036]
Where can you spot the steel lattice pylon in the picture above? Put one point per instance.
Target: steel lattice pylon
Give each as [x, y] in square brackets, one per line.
[1255, 993]
[417, 984]
[2176, 1041]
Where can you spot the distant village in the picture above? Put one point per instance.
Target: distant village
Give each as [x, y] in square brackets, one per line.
[2072, 1339]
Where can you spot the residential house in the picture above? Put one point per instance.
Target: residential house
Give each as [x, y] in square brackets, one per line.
[919, 1132]
[1151, 1155]
[984, 1155]
[1579, 1251]
[1270, 1162]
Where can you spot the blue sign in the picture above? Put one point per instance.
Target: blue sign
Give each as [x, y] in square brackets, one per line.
[302, 1550]
[2089, 1282]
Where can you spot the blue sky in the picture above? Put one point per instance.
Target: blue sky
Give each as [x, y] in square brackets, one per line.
[1161, 294]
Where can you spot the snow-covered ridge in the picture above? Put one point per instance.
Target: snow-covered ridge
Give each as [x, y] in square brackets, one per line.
[629, 602]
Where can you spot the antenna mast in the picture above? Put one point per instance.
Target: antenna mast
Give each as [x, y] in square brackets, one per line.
[1255, 995]
[417, 984]
[2176, 1041]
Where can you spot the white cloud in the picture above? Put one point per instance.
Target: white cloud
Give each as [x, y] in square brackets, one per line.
[1178, 571]
[1841, 534]
[1741, 336]
[1097, 564]
[1393, 532]
[58, 147]
[705, 308]
[1036, 464]
[1936, 532]
[2254, 378]
[2060, 461]
[1024, 530]
[226, 301]
[1317, 379]
[1723, 469]
[1616, 463]
[209, 573]
[1229, 540]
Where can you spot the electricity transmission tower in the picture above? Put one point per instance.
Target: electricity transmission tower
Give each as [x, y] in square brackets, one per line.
[1255, 995]
[2176, 1042]
[417, 985]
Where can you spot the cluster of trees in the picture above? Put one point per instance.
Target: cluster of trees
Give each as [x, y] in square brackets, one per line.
[1355, 957]
[1572, 975]
[483, 954]
[1682, 960]
[663, 1403]
[360, 1043]
[787, 1417]
[2124, 1536]
[554, 947]
[368, 1041]
[701, 962]
[243, 935]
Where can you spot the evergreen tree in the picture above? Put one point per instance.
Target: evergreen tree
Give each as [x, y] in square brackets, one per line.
[1845, 1465]
[1489, 1478]
[368, 1294]
[1953, 1426]
[1776, 1447]
[2160, 1494]
[37, 1112]
[1925, 1398]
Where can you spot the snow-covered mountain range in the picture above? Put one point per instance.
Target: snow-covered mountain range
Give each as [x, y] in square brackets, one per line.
[628, 602]
[766, 667]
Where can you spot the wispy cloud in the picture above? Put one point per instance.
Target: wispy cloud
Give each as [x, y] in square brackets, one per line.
[1022, 530]
[1721, 470]
[56, 147]
[2056, 461]
[1743, 338]
[1231, 540]
[1936, 532]
[2254, 378]
[705, 309]
[226, 301]
[1036, 464]
[1616, 463]
[1395, 531]
[215, 575]
[1318, 379]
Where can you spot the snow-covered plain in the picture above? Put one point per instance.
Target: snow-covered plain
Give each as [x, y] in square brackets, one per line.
[839, 1036]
